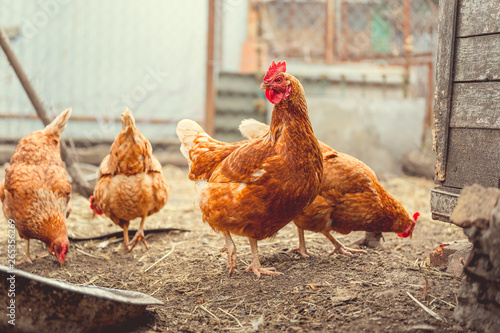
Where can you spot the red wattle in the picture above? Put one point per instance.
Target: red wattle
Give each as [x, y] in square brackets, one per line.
[274, 96]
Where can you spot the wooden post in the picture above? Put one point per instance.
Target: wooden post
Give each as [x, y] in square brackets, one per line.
[407, 46]
[444, 78]
[344, 7]
[210, 87]
[329, 30]
[428, 101]
[80, 185]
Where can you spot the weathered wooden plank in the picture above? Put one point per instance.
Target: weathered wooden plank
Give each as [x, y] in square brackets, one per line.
[443, 201]
[476, 105]
[477, 17]
[478, 58]
[473, 157]
[442, 97]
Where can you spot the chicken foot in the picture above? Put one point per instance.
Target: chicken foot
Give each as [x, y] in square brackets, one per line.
[339, 247]
[139, 236]
[302, 245]
[27, 256]
[255, 264]
[230, 248]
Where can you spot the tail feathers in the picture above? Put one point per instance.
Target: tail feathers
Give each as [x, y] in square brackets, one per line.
[57, 126]
[253, 129]
[190, 134]
[128, 125]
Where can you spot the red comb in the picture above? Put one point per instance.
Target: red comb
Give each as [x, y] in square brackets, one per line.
[416, 215]
[279, 67]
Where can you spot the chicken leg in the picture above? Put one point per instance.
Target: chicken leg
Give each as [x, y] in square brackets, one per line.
[255, 264]
[125, 237]
[302, 244]
[339, 247]
[27, 256]
[230, 248]
[139, 236]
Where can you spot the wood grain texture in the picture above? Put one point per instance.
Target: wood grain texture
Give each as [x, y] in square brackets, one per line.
[476, 105]
[477, 17]
[442, 97]
[478, 58]
[473, 157]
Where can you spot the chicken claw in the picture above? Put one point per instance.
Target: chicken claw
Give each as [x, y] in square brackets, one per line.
[339, 247]
[346, 250]
[304, 253]
[255, 264]
[27, 256]
[302, 245]
[138, 237]
[257, 270]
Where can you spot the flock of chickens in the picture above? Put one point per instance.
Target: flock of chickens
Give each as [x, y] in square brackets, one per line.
[251, 188]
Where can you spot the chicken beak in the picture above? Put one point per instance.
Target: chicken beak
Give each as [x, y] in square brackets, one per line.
[61, 261]
[264, 86]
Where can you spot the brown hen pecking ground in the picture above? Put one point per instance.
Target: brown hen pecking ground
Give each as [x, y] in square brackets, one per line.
[362, 292]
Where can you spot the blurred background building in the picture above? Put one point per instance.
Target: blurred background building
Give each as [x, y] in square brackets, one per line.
[367, 67]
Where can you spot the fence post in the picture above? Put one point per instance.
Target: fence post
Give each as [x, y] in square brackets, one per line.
[210, 88]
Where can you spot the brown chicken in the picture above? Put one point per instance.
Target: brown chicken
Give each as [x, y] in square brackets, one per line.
[254, 188]
[36, 190]
[351, 199]
[130, 182]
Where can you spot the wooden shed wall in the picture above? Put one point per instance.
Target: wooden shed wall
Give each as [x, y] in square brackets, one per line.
[467, 110]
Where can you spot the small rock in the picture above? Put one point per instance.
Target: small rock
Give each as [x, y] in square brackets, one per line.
[451, 257]
[338, 300]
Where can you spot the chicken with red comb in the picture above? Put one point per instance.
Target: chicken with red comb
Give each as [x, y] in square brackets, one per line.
[254, 188]
[36, 190]
[350, 199]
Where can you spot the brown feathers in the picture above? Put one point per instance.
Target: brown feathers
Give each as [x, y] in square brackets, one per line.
[37, 190]
[131, 182]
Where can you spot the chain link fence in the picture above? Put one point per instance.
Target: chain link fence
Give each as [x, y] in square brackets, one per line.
[393, 32]
[347, 30]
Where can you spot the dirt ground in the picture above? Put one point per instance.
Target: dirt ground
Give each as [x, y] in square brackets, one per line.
[362, 292]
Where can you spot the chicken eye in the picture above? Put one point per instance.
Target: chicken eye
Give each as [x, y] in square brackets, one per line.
[279, 80]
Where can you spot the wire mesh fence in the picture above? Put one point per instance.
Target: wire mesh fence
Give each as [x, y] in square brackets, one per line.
[347, 30]
[393, 32]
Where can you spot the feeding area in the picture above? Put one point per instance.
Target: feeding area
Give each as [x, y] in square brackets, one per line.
[272, 166]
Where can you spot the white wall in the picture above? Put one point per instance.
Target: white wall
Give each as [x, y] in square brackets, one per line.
[234, 25]
[99, 56]
[378, 132]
